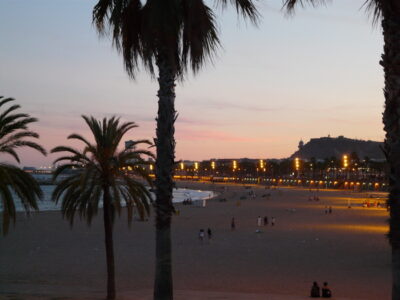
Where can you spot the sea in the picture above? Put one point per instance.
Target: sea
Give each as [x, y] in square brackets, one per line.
[179, 195]
[47, 204]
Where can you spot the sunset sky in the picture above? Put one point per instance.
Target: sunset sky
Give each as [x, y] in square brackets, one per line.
[292, 78]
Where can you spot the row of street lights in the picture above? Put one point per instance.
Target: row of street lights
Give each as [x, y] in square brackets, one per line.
[260, 166]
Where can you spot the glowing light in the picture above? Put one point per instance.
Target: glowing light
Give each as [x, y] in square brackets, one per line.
[297, 163]
[345, 161]
[213, 165]
[261, 164]
[182, 165]
[234, 164]
[196, 166]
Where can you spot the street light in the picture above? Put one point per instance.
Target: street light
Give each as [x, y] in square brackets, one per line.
[213, 165]
[297, 165]
[345, 161]
[261, 164]
[182, 166]
[234, 165]
[346, 165]
[196, 166]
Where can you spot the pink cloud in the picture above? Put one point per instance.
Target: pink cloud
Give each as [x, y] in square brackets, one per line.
[203, 135]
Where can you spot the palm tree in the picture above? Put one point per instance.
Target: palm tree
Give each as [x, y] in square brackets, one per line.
[100, 172]
[388, 12]
[14, 134]
[174, 36]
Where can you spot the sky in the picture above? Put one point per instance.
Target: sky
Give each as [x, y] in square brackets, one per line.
[290, 78]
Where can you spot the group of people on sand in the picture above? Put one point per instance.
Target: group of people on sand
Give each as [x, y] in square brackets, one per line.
[313, 198]
[187, 201]
[369, 204]
[328, 210]
[264, 221]
[202, 235]
[317, 292]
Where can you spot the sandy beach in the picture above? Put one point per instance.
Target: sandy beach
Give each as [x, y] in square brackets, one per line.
[43, 258]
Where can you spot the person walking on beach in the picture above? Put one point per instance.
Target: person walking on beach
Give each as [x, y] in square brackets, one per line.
[259, 221]
[233, 225]
[209, 234]
[273, 221]
[326, 292]
[201, 235]
[315, 290]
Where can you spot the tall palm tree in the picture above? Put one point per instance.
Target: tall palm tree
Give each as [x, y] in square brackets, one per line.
[98, 173]
[174, 36]
[388, 12]
[14, 134]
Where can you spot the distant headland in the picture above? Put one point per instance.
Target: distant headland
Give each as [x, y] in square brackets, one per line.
[326, 147]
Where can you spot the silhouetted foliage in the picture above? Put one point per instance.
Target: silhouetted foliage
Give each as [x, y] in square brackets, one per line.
[14, 134]
[176, 36]
[102, 173]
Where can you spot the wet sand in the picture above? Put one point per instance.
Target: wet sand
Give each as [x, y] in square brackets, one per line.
[43, 258]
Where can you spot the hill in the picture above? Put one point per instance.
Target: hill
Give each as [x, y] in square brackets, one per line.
[324, 147]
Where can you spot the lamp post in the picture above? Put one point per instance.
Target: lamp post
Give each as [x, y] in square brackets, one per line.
[297, 166]
[234, 167]
[346, 165]
[262, 168]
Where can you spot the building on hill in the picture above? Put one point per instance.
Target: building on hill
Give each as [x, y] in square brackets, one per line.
[326, 147]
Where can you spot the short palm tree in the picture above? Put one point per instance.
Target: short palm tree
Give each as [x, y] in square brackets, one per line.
[102, 173]
[174, 36]
[14, 134]
[388, 12]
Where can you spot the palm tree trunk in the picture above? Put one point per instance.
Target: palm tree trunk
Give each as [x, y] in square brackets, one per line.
[391, 119]
[165, 143]
[108, 230]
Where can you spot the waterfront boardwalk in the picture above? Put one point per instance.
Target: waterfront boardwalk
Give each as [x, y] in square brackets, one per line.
[43, 258]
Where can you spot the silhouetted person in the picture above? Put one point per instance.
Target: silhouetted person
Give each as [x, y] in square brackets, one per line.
[233, 225]
[330, 209]
[315, 290]
[265, 221]
[201, 235]
[259, 220]
[326, 292]
[273, 221]
[209, 234]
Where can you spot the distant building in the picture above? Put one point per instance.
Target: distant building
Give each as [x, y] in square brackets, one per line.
[129, 144]
[301, 144]
[29, 169]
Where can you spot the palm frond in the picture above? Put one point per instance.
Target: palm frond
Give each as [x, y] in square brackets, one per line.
[14, 129]
[25, 187]
[14, 134]
[99, 169]
[181, 33]
[290, 5]
[199, 37]
[374, 8]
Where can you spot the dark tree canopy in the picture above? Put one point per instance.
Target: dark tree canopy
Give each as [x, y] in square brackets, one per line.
[15, 134]
[183, 32]
[101, 164]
